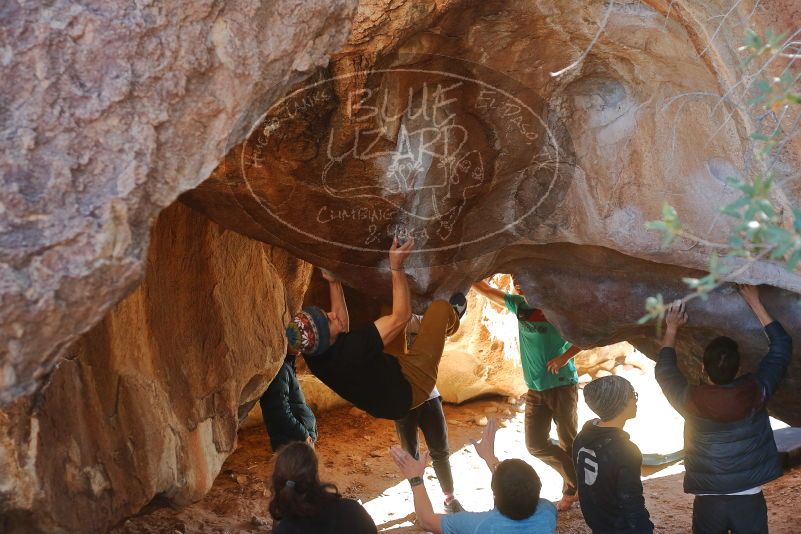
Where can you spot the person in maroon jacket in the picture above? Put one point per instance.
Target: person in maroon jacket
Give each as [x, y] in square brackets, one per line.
[729, 447]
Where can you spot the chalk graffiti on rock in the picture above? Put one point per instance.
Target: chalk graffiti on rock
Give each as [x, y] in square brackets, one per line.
[430, 155]
[327, 214]
[397, 152]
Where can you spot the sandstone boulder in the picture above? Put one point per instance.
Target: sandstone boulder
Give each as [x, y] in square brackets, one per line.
[460, 124]
[593, 360]
[443, 121]
[109, 111]
[147, 402]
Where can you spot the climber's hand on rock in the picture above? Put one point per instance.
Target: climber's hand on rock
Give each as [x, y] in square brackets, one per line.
[328, 275]
[408, 466]
[676, 316]
[310, 441]
[398, 254]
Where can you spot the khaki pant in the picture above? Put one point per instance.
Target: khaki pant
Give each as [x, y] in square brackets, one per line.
[420, 361]
[560, 406]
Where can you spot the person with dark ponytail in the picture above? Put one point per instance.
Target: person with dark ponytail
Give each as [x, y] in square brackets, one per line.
[301, 504]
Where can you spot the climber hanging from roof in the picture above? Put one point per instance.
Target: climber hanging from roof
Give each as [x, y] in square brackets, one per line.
[357, 366]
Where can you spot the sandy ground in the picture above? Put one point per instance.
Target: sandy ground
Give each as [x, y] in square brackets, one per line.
[353, 454]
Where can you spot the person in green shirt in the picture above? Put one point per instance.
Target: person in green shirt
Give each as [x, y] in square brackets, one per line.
[551, 377]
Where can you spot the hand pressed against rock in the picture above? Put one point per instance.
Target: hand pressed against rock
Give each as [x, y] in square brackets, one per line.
[328, 275]
[399, 253]
[675, 317]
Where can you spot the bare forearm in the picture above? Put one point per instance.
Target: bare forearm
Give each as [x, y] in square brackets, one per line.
[492, 463]
[338, 304]
[425, 512]
[761, 313]
[670, 337]
[557, 362]
[489, 292]
[571, 352]
[482, 287]
[401, 301]
[393, 324]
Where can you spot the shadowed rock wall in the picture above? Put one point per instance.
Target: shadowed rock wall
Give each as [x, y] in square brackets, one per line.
[146, 403]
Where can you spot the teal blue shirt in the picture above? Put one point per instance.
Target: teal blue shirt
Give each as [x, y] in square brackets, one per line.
[543, 521]
[539, 343]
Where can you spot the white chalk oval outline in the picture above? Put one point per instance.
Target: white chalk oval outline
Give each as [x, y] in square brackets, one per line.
[396, 70]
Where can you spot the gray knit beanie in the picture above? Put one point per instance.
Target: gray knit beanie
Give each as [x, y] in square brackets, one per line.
[608, 396]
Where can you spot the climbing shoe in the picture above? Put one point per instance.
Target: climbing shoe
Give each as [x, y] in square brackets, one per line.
[459, 304]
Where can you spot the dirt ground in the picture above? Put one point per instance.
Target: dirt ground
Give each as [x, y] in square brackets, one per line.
[353, 454]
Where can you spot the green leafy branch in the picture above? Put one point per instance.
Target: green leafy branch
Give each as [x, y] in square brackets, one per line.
[758, 232]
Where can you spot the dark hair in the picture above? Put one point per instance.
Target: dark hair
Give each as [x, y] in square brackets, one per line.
[297, 490]
[516, 488]
[721, 360]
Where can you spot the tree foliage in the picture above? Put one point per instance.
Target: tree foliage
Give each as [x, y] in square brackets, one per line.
[760, 230]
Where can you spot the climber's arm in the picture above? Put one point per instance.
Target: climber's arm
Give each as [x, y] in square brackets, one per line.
[496, 296]
[668, 375]
[393, 324]
[337, 293]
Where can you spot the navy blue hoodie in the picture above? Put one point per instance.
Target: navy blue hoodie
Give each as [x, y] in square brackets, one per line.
[608, 468]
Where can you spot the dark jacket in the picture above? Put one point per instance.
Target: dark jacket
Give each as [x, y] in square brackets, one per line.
[358, 370]
[608, 468]
[338, 516]
[286, 415]
[728, 442]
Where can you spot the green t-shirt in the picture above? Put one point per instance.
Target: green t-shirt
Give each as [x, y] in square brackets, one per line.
[539, 343]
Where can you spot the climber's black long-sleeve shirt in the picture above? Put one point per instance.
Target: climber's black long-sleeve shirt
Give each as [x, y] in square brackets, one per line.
[357, 368]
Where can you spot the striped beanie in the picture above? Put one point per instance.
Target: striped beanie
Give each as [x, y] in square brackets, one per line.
[308, 332]
[608, 396]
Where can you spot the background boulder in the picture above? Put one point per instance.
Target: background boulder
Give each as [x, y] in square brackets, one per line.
[533, 138]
